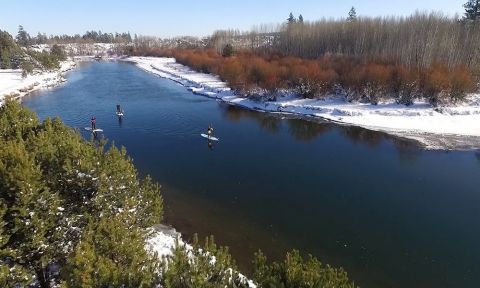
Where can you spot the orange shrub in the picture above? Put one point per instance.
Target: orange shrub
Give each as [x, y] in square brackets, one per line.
[316, 77]
[435, 83]
[461, 82]
[232, 71]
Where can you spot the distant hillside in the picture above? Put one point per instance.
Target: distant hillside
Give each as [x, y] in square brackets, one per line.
[15, 56]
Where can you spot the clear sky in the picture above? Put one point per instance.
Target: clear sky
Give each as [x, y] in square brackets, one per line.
[190, 17]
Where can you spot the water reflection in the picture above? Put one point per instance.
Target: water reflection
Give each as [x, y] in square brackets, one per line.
[210, 144]
[268, 122]
[306, 130]
[310, 129]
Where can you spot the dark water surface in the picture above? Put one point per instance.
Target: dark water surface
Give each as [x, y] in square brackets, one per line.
[390, 213]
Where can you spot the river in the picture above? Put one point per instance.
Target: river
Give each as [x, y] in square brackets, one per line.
[389, 212]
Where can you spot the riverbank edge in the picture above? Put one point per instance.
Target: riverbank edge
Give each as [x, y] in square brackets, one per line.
[162, 241]
[37, 81]
[21, 87]
[162, 238]
[452, 127]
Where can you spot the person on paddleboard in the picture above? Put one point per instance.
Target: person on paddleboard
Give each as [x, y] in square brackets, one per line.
[93, 121]
[119, 109]
[210, 131]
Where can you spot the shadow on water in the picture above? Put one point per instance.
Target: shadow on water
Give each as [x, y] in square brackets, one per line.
[309, 129]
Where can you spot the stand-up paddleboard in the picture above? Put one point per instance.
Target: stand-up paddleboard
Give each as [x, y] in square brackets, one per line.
[119, 114]
[95, 130]
[209, 138]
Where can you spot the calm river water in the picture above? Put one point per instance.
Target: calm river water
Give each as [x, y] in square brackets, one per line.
[390, 213]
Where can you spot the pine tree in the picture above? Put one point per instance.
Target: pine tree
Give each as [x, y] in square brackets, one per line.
[111, 254]
[300, 18]
[11, 274]
[5, 64]
[296, 272]
[58, 52]
[57, 191]
[472, 10]
[352, 15]
[32, 214]
[227, 50]
[192, 268]
[23, 38]
[291, 19]
[27, 68]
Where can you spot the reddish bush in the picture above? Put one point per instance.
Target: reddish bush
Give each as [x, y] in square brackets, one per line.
[461, 82]
[375, 81]
[403, 83]
[232, 72]
[317, 77]
[435, 83]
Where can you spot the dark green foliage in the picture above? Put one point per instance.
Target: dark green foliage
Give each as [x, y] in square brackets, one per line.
[111, 254]
[196, 268]
[16, 122]
[295, 272]
[472, 10]
[6, 63]
[228, 51]
[45, 59]
[23, 38]
[10, 53]
[291, 19]
[31, 219]
[12, 56]
[352, 15]
[27, 68]
[58, 52]
[63, 198]
[300, 18]
[88, 37]
[40, 39]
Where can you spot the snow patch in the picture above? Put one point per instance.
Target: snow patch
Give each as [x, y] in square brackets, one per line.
[162, 241]
[13, 84]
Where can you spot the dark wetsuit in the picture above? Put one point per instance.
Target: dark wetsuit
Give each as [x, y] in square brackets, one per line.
[94, 122]
[210, 131]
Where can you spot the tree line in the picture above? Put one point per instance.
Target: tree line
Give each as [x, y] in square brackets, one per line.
[419, 40]
[24, 39]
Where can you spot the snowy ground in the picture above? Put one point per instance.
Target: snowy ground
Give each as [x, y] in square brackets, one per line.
[162, 242]
[12, 84]
[452, 127]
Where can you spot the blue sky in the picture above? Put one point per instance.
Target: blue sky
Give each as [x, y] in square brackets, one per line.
[190, 17]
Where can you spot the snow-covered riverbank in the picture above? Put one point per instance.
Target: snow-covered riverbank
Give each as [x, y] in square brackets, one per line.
[13, 84]
[162, 242]
[451, 127]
